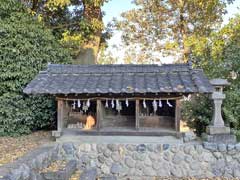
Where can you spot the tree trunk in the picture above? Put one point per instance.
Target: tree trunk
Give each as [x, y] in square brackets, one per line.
[186, 50]
[89, 51]
[34, 5]
[183, 32]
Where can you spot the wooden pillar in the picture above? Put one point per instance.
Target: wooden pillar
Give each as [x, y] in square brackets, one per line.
[60, 116]
[177, 115]
[137, 114]
[99, 113]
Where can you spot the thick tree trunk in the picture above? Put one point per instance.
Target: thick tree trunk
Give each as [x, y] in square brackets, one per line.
[88, 53]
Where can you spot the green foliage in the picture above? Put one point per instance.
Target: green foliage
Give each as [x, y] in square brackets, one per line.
[26, 47]
[106, 58]
[221, 59]
[76, 23]
[231, 108]
[170, 27]
[75, 40]
[197, 113]
[21, 114]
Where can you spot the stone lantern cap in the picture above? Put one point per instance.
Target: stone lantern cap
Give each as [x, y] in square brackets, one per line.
[219, 82]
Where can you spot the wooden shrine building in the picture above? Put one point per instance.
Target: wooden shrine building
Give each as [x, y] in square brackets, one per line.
[119, 99]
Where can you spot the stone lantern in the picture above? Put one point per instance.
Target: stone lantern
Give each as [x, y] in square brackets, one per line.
[217, 131]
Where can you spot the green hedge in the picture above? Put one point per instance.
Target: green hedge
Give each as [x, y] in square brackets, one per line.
[26, 47]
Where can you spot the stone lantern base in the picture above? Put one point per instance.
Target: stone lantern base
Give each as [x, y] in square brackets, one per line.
[217, 130]
[220, 138]
[219, 135]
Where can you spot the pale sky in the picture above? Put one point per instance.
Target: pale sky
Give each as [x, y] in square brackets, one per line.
[114, 8]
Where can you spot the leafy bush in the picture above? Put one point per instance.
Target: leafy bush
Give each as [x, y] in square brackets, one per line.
[231, 109]
[26, 47]
[198, 113]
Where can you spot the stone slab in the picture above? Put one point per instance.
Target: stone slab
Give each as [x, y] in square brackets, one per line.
[221, 138]
[89, 174]
[120, 139]
[56, 134]
[189, 136]
[218, 130]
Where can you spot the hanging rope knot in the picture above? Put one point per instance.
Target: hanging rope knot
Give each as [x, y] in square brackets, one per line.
[127, 103]
[79, 103]
[144, 103]
[169, 104]
[160, 103]
[106, 103]
[74, 105]
[154, 105]
[88, 103]
[112, 103]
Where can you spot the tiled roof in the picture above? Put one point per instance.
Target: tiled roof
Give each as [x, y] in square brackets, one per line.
[79, 79]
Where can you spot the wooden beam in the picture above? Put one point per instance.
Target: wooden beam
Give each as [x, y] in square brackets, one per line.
[123, 96]
[99, 113]
[177, 115]
[137, 114]
[140, 132]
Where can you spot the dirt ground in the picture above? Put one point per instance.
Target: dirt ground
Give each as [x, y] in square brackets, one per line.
[11, 148]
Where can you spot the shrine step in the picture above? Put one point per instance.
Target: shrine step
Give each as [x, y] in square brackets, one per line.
[120, 139]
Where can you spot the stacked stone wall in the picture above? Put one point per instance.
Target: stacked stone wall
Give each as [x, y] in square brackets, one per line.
[133, 160]
[151, 160]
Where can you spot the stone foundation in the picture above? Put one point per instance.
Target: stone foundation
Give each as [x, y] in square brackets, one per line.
[156, 160]
[133, 160]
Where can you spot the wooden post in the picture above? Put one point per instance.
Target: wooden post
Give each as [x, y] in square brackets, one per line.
[137, 114]
[60, 117]
[177, 115]
[99, 113]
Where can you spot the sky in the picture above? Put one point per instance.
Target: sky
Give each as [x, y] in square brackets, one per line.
[114, 8]
[232, 10]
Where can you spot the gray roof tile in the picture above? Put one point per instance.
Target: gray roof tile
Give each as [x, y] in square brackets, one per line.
[77, 79]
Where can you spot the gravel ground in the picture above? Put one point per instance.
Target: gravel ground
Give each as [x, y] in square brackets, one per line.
[11, 148]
